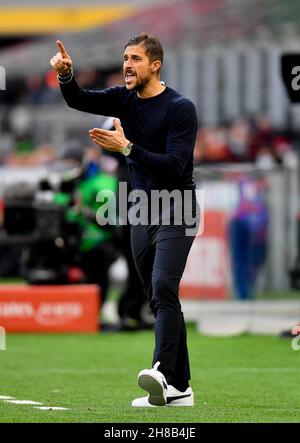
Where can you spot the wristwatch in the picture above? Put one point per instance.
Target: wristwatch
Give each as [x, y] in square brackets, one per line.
[127, 149]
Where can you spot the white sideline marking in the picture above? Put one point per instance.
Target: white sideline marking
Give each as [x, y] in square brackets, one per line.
[51, 408]
[9, 399]
[24, 402]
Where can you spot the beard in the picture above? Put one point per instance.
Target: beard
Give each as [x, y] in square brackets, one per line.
[142, 82]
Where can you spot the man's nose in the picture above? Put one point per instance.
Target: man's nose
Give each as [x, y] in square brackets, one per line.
[127, 64]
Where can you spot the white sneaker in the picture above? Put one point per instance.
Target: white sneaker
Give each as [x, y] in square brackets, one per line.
[178, 398]
[174, 398]
[154, 382]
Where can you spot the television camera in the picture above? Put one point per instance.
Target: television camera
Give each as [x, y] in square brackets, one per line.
[34, 219]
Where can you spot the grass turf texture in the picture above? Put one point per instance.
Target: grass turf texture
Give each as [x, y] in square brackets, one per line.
[239, 379]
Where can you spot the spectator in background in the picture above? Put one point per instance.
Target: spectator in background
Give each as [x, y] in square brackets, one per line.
[42, 90]
[248, 237]
[88, 77]
[262, 138]
[269, 147]
[211, 146]
[238, 140]
[50, 91]
[244, 140]
[33, 89]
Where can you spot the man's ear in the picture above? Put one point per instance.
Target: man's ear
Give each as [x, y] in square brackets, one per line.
[155, 66]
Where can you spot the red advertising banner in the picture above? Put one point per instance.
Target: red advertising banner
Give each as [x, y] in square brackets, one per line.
[206, 272]
[73, 308]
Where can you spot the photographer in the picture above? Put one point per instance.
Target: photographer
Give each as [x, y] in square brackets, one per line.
[97, 250]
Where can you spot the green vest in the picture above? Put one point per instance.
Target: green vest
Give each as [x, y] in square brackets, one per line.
[92, 233]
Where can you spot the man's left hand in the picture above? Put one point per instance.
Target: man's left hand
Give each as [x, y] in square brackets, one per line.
[110, 140]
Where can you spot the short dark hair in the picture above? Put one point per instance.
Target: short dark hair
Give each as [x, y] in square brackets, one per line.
[151, 44]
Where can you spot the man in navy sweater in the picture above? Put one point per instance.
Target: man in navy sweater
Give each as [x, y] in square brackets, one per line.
[156, 132]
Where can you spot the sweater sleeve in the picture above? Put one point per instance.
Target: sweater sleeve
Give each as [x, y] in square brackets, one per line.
[179, 144]
[99, 102]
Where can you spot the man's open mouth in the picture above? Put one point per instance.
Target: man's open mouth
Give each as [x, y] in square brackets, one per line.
[129, 77]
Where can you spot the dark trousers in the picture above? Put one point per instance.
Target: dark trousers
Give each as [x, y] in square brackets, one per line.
[160, 253]
[133, 298]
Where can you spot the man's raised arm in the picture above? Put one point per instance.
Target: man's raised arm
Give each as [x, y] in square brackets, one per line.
[103, 102]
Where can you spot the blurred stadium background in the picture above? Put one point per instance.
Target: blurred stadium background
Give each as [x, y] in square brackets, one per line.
[243, 273]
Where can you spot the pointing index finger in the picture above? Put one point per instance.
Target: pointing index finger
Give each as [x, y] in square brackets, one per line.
[62, 49]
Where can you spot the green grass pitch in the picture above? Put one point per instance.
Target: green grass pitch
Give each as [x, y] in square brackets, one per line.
[238, 379]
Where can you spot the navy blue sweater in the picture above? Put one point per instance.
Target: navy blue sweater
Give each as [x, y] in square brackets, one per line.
[162, 129]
